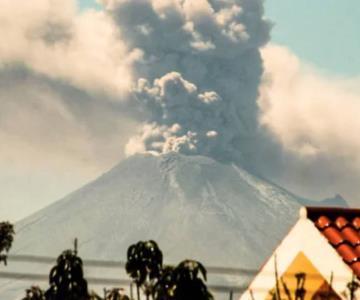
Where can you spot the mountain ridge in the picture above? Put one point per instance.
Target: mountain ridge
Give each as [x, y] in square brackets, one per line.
[193, 206]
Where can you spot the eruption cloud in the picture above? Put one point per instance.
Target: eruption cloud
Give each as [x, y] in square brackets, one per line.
[186, 75]
[197, 73]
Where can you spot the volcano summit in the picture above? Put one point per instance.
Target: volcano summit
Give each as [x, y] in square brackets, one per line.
[193, 206]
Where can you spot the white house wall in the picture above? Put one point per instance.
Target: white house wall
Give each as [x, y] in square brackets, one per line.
[306, 238]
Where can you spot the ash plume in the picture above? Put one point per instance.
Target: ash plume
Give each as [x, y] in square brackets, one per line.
[197, 75]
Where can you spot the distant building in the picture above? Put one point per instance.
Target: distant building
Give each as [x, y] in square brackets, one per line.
[318, 259]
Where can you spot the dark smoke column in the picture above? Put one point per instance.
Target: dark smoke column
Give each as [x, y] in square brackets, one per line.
[198, 75]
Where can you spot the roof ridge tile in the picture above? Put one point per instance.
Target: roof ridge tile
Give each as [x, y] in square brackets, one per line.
[341, 227]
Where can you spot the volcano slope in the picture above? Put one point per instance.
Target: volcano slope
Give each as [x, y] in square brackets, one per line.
[193, 206]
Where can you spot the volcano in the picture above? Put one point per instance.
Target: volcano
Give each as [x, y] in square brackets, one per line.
[193, 206]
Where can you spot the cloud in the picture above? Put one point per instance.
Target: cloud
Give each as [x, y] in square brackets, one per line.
[54, 138]
[65, 78]
[47, 123]
[75, 87]
[64, 118]
[313, 116]
[52, 39]
[190, 66]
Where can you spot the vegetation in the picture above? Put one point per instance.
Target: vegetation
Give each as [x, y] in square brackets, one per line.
[6, 238]
[352, 287]
[67, 278]
[164, 289]
[34, 293]
[325, 292]
[145, 267]
[116, 294]
[188, 282]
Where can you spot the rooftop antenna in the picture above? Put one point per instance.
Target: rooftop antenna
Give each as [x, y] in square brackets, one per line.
[76, 246]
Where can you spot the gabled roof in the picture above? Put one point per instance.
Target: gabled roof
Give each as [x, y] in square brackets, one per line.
[341, 228]
[328, 237]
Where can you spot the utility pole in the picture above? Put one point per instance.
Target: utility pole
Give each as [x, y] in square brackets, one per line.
[231, 295]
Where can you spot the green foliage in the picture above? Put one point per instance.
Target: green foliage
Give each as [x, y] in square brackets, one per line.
[116, 294]
[67, 279]
[352, 287]
[300, 291]
[34, 293]
[189, 277]
[144, 265]
[6, 238]
[144, 261]
[185, 282]
[165, 286]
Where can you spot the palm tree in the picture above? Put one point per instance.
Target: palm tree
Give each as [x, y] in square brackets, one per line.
[144, 265]
[34, 293]
[189, 277]
[6, 238]
[67, 278]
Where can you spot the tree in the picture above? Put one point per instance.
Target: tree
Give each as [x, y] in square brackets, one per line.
[165, 287]
[189, 277]
[34, 293]
[6, 238]
[67, 278]
[144, 265]
[186, 281]
[116, 294]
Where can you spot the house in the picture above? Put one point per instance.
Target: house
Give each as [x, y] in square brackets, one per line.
[318, 259]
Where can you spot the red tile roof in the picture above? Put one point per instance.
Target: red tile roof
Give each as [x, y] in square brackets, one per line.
[341, 227]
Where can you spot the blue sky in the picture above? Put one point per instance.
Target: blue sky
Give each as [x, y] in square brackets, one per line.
[88, 3]
[322, 32]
